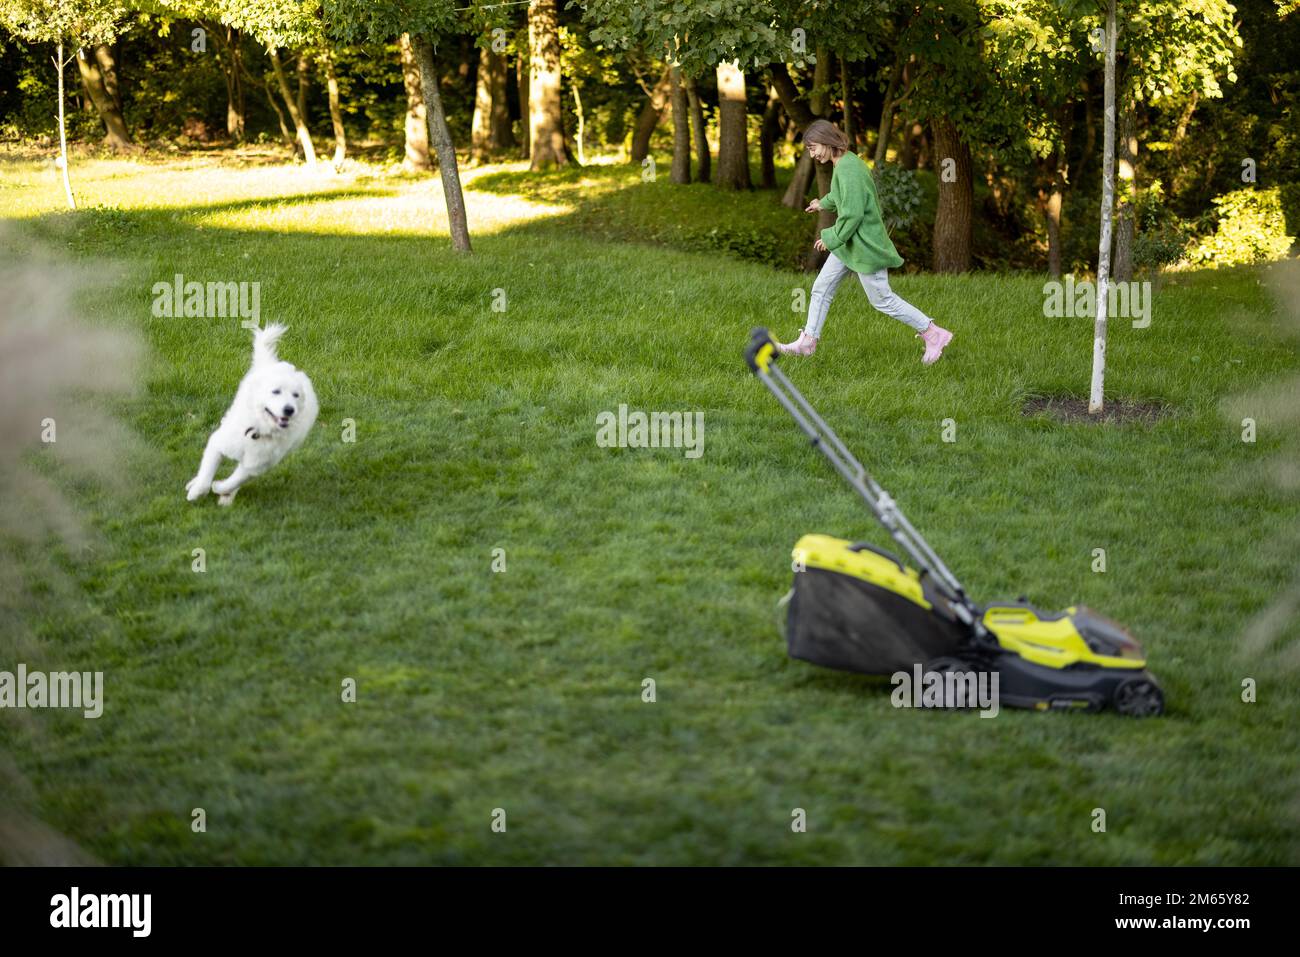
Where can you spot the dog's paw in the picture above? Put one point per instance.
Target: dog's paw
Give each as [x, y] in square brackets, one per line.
[226, 499]
[195, 490]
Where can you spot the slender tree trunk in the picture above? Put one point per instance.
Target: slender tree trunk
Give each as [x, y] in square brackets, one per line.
[850, 122]
[230, 56]
[769, 133]
[816, 258]
[1185, 118]
[336, 111]
[299, 121]
[96, 84]
[1096, 401]
[480, 142]
[703, 156]
[582, 128]
[681, 172]
[1089, 134]
[794, 105]
[651, 113]
[285, 132]
[501, 136]
[1051, 189]
[544, 105]
[733, 134]
[800, 116]
[1126, 207]
[440, 140]
[60, 64]
[303, 66]
[953, 215]
[522, 77]
[417, 123]
[886, 127]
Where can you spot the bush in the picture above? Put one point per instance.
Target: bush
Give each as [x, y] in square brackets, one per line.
[1161, 238]
[1251, 228]
[900, 196]
[1290, 193]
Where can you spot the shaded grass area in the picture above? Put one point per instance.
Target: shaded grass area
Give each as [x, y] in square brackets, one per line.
[522, 689]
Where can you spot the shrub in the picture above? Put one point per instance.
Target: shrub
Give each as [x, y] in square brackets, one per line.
[1250, 228]
[900, 196]
[1162, 237]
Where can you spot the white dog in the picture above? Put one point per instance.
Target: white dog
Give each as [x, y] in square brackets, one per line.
[273, 412]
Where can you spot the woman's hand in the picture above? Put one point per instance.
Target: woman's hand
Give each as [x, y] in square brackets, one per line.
[819, 245]
[814, 207]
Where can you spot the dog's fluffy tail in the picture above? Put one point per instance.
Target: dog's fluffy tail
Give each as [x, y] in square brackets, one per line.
[264, 344]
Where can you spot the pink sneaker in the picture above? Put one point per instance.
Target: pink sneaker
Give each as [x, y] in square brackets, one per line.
[805, 345]
[936, 338]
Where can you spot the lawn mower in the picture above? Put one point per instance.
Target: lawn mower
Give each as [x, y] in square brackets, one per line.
[855, 607]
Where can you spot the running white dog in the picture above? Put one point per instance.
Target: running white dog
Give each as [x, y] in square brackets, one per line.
[273, 412]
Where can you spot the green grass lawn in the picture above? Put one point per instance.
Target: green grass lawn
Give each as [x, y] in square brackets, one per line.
[522, 689]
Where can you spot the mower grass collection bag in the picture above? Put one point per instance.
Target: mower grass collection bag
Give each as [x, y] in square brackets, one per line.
[857, 608]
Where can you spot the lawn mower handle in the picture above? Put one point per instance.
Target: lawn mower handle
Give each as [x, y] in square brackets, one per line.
[761, 355]
[760, 351]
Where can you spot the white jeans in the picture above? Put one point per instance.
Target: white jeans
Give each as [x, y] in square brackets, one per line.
[878, 294]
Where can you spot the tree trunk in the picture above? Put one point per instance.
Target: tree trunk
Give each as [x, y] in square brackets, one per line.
[545, 109]
[1051, 189]
[769, 133]
[304, 81]
[800, 182]
[815, 258]
[850, 122]
[1125, 209]
[800, 115]
[417, 123]
[582, 129]
[108, 69]
[481, 128]
[886, 127]
[1096, 401]
[651, 113]
[336, 111]
[1089, 134]
[97, 85]
[794, 105]
[60, 64]
[501, 135]
[521, 81]
[440, 140]
[703, 156]
[299, 122]
[681, 172]
[953, 215]
[285, 132]
[733, 135]
[230, 56]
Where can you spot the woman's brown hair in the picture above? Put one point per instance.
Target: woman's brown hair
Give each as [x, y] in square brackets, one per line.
[827, 134]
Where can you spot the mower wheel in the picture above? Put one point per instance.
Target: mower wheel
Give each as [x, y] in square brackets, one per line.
[1139, 698]
[945, 665]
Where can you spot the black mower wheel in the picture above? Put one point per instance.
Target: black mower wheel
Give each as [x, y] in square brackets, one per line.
[943, 666]
[1139, 698]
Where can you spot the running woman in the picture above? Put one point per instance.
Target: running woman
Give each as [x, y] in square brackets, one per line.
[856, 243]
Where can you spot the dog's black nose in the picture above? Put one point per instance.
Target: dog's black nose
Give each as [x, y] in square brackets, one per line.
[288, 410]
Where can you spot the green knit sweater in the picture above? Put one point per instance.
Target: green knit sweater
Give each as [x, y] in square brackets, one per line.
[858, 236]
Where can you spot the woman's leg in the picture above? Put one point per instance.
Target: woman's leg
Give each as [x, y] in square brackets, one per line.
[823, 291]
[883, 298]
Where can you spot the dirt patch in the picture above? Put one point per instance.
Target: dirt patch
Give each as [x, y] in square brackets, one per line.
[1071, 409]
